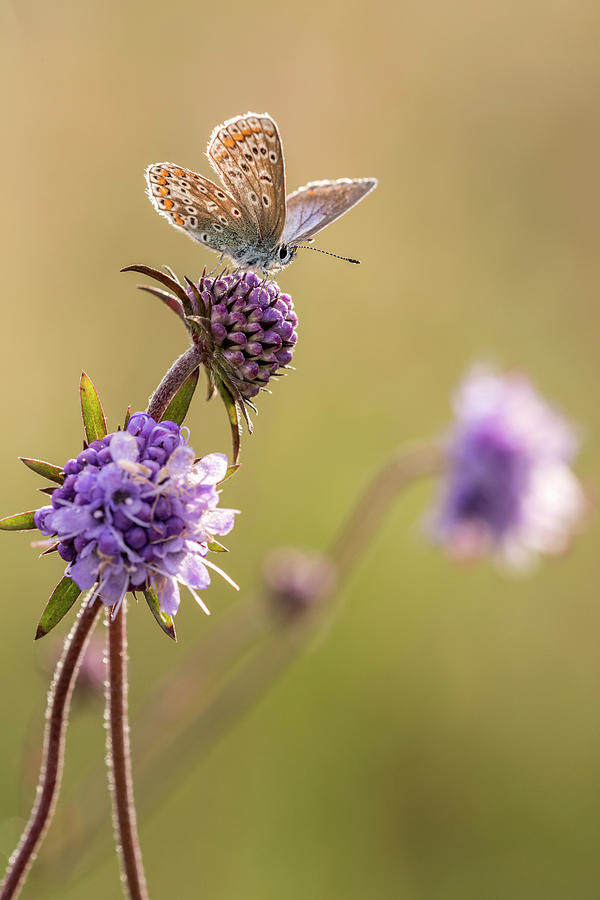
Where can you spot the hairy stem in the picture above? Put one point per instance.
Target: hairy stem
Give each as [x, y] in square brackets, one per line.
[57, 712]
[119, 758]
[181, 369]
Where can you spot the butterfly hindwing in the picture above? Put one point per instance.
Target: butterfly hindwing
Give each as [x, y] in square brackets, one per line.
[196, 205]
[314, 206]
[247, 154]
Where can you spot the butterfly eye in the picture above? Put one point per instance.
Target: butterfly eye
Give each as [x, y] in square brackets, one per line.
[283, 252]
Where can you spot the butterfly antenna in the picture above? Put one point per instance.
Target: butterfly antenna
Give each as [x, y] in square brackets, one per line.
[328, 253]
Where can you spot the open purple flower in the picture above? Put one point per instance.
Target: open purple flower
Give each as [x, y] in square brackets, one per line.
[509, 488]
[137, 511]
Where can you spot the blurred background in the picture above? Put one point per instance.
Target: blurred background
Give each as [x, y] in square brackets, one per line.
[443, 739]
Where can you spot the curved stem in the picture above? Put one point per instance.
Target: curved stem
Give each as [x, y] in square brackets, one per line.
[406, 466]
[119, 758]
[181, 369]
[57, 711]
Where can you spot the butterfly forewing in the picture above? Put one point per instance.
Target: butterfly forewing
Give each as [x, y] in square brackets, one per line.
[316, 205]
[196, 205]
[247, 155]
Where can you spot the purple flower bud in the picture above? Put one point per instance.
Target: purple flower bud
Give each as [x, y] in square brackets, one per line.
[250, 320]
[298, 580]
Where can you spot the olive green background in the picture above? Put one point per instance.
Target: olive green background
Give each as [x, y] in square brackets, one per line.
[443, 739]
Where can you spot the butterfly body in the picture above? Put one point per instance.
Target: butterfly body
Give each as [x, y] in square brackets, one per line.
[249, 218]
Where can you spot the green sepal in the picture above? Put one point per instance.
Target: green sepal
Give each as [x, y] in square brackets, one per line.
[233, 414]
[127, 418]
[217, 547]
[177, 409]
[164, 619]
[231, 470]
[94, 422]
[45, 469]
[61, 600]
[19, 522]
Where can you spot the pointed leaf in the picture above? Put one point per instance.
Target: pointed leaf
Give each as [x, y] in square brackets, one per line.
[231, 470]
[127, 418]
[177, 409]
[197, 298]
[168, 299]
[217, 547]
[62, 599]
[170, 283]
[19, 522]
[46, 469]
[164, 620]
[48, 490]
[94, 422]
[233, 414]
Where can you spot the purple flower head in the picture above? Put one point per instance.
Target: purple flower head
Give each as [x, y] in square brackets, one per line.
[252, 328]
[509, 488]
[137, 511]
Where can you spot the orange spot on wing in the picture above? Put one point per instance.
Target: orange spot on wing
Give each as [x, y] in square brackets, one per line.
[237, 136]
[229, 142]
[269, 133]
[256, 129]
[247, 131]
[163, 191]
[168, 204]
[179, 172]
[161, 180]
[164, 173]
[178, 219]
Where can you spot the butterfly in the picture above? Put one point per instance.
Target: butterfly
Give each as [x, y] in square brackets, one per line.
[249, 218]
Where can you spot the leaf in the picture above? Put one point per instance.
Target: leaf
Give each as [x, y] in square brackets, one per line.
[164, 619]
[200, 304]
[233, 414]
[170, 283]
[177, 409]
[45, 469]
[168, 299]
[231, 470]
[94, 422]
[127, 418]
[19, 522]
[217, 547]
[62, 599]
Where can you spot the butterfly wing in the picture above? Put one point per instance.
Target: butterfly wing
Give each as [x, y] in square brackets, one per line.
[318, 204]
[247, 154]
[195, 205]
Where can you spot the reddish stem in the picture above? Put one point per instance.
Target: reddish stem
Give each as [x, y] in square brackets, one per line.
[57, 712]
[119, 758]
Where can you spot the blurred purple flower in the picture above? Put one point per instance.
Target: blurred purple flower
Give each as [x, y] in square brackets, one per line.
[137, 511]
[298, 580]
[509, 489]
